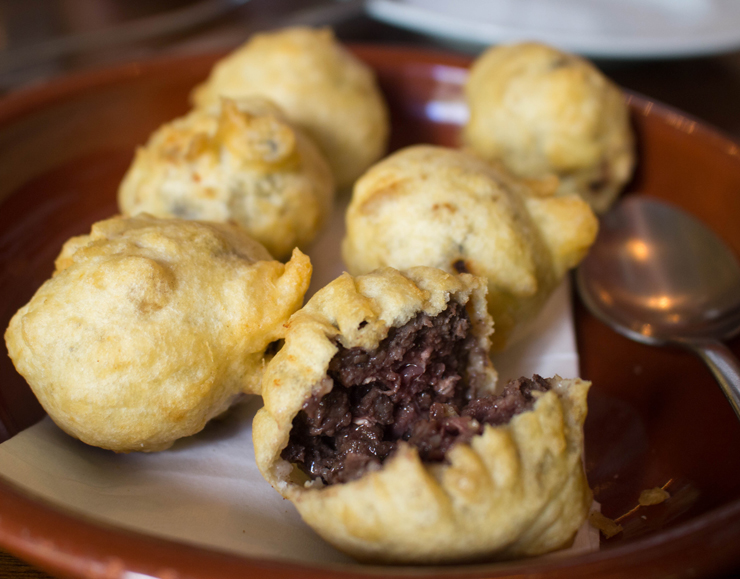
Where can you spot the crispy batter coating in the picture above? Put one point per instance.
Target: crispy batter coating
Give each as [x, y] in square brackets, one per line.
[151, 327]
[444, 208]
[545, 113]
[514, 490]
[321, 87]
[237, 161]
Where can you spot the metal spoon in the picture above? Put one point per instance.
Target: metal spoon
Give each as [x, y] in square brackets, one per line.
[659, 276]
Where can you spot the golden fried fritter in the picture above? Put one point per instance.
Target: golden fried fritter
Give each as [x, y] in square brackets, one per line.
[544, 113]
[150, 327]
[372, 359]
[444, 208]
[322, 88]
[237, 161]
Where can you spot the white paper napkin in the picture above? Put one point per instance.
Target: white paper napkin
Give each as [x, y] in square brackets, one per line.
[206, 490]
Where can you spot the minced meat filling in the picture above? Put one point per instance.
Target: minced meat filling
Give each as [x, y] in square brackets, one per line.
[413, 387]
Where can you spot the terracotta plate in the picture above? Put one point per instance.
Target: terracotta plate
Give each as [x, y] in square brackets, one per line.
[656, 417]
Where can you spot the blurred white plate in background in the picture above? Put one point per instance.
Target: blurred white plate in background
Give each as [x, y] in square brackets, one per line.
[596, 28]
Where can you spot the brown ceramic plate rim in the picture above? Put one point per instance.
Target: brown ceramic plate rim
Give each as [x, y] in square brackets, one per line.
[63, 542]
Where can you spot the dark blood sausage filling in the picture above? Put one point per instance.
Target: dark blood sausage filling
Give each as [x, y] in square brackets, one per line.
[413, 387]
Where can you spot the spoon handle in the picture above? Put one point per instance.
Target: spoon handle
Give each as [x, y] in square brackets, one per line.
[725, 367]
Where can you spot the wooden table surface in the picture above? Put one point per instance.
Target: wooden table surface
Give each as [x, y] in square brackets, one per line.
[707, 88]
[10, 567]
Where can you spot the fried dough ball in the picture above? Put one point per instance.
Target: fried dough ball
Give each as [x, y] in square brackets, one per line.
[544, 113]
[444, 208]
[383, 426]
[151, 327]
[322, 88]
[238, 161]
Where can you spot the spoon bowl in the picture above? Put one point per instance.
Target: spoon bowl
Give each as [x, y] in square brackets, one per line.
[659, 276]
